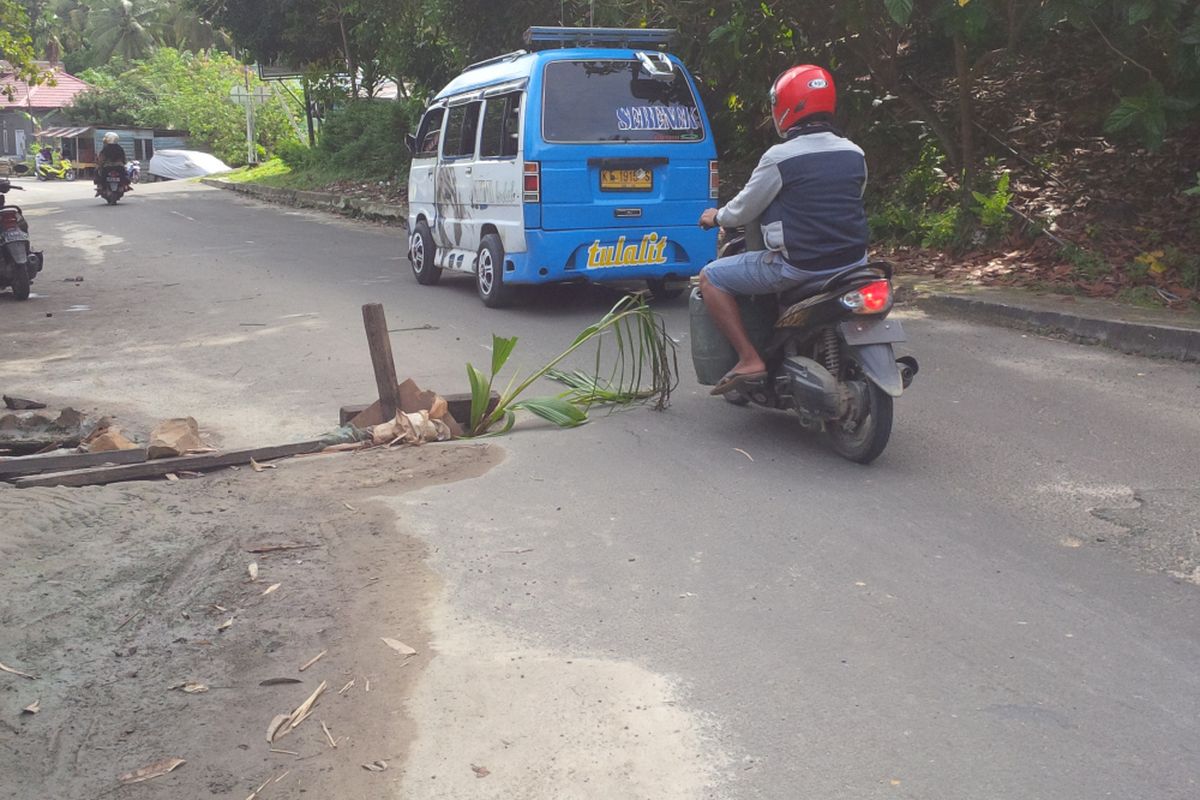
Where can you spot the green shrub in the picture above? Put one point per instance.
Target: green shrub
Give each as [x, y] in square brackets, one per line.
[992, 208]
[295, 154]
[366, 137]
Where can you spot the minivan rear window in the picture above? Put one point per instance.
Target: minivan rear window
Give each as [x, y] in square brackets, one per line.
[617, 101]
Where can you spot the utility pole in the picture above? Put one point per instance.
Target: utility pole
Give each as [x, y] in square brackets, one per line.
[251, 150]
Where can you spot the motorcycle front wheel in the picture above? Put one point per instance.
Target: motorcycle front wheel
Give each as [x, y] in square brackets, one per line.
[862, 438]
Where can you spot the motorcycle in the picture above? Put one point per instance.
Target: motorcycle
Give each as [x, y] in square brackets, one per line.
[133, 171]
[828, 348]
[64, 170]
[113, 184]
[18, 263]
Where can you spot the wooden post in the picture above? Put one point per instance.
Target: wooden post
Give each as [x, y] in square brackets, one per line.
[381, 359]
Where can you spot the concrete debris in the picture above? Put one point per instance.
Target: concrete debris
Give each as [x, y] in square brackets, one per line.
[175, 437]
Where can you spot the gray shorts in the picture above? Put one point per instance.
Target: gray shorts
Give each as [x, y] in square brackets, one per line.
[758, 272]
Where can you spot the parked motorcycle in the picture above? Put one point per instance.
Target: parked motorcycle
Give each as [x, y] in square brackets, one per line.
[133, 171]
[18, 263]
[113, 184]
[828, 349]
[64, 170]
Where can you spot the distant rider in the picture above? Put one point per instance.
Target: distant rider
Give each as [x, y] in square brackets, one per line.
[42, 161]
[111, 153]
[807, 195]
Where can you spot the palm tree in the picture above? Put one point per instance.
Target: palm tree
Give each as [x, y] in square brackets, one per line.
[185, 30]
[125, 28]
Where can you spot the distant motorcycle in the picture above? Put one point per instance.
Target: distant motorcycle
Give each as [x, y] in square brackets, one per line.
[133, 171]
[18, 263]
[62, 171]
[113, 184]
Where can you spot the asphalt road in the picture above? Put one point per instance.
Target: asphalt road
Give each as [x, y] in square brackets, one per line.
[1005, 605]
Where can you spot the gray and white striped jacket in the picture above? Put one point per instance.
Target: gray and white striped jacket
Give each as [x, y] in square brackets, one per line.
[807, 194]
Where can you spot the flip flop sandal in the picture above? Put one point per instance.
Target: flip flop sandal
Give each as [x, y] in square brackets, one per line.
[734, 380]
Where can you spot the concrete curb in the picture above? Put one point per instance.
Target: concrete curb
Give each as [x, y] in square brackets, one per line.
[342, 204]
[1107, 324]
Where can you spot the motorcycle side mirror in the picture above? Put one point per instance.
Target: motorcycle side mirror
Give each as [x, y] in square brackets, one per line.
[20, 169]
[411, 142]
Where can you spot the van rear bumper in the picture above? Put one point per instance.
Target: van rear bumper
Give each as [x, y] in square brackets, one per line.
[614, 254]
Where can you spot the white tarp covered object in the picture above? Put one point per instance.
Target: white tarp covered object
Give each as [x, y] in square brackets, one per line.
[176, 164]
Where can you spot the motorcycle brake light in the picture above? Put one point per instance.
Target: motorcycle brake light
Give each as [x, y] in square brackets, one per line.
[870, 299]
[9, 219]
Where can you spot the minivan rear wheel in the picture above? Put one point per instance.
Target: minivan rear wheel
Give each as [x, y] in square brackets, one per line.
[489, 273]
[421, 254]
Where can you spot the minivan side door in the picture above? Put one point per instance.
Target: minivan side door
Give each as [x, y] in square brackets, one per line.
[457, 226]
[496, 190]
[422, 174]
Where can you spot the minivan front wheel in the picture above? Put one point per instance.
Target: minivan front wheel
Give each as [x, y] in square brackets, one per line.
[421, 253]
[489, 273]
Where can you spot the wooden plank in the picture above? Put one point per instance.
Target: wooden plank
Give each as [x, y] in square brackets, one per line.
[380, 344]
[161, 466]
[31, 465]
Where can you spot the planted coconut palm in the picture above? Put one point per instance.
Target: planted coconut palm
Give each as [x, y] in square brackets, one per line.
[630, 338]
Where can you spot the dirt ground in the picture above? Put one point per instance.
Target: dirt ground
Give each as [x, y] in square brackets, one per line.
[114, 595]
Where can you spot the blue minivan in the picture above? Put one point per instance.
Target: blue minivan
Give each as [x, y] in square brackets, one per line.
[590, 159]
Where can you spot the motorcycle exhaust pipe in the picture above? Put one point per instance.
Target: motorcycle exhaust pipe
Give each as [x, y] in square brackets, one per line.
[908, 369]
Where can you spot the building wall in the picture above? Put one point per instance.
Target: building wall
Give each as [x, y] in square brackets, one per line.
[12, 121]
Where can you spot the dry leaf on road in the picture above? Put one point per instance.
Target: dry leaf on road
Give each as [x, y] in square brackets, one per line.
[17, 672]
[225, 625]
[32, 708]
[277, 723]
[480, 772]
[399, 647]
[155, 770]
[257, 467]
[253, 570]
[376, 766]
[270, 589]
[276, 681]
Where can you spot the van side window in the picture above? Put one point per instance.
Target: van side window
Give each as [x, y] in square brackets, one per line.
[501, 127]
[461, 126]
[429, 134]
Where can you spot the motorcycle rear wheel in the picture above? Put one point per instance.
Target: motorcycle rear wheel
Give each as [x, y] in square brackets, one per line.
[21, 281]
[864, 439]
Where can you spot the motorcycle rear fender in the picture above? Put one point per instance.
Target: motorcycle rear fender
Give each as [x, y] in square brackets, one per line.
[18, 252]
[878, 363]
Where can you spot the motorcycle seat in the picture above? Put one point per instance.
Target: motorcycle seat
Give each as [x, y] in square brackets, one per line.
[822, 282]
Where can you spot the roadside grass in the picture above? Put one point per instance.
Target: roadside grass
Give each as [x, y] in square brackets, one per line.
[278, 174]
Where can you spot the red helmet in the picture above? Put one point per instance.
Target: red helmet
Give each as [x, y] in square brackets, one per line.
[801, 92]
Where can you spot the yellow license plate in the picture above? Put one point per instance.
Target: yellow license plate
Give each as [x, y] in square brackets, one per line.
[627, 180]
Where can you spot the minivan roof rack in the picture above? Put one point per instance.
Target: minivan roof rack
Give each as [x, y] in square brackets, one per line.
[580, 37]
[515, 54]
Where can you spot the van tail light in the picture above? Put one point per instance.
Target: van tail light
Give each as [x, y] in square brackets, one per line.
[10, 219]
[873, 298]
[714, 180]
[533, 182]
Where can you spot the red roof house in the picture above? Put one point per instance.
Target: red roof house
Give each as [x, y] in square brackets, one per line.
[43, 102]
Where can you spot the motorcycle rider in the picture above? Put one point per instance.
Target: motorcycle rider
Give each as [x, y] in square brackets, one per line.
[111, 153]
[42, 161]
[807, 195]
